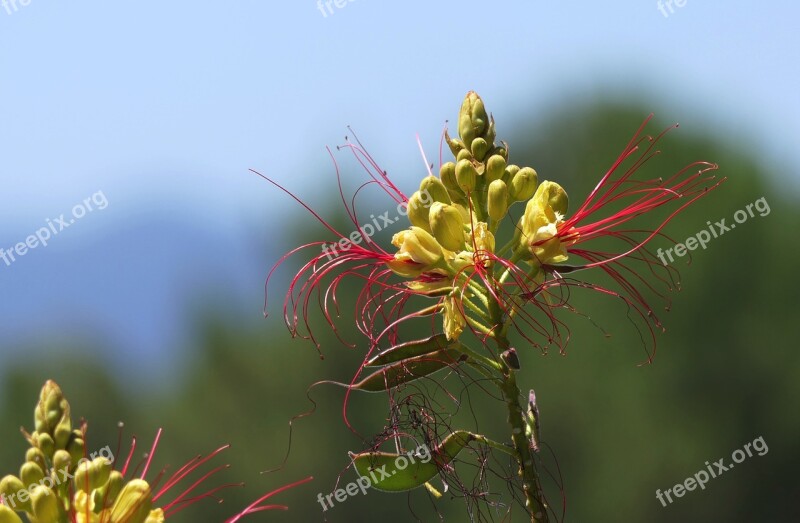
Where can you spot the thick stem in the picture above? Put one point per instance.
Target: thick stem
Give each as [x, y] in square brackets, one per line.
[531, 486]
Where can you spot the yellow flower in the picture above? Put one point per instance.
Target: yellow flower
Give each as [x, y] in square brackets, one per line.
[544, 212]
[454, 321]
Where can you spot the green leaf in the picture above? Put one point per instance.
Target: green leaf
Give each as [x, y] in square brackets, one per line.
[400, 472]
[411, 349]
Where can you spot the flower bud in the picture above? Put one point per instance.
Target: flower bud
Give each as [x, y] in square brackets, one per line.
[133, 503]
[472, 118]
[8, 516]
[464, 155]
[453, 317]
[434, 189]
[455, 144]
[91, 475]
[45, 505]
[76, 448]
[418, 212]
[501, 150]
[12, 486]
[479, 148]
[62, 460]
[30, 473]
[495, 167]
[447, 173]
[36, 456]
[415, 246]
[466, 175]
[46, 444]
[447, 226]
[112, 488]
[508, 175]
[497, 200]
[52, 408]
[523, 184]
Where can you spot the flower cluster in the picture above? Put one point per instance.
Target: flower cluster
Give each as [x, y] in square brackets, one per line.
[452, 254]
[60, 482]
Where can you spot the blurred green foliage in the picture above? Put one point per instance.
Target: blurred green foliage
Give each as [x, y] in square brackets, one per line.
[725, 373]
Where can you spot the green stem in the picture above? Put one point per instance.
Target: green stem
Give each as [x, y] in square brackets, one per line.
[531, 485]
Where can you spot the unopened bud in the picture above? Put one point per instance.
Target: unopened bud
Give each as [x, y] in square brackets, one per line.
[35, 455]
[511, 170]
[495, 167]
[45, 504]
[479, 148]
[466, 175]
[497, 199]
[523, 184]
[472, 120]
[76, 448]
[30, 473]
[46, 444]
[12, 486]
[417, 251]
[62, 460]
[464, 155]
[435, 190]
[133, 503]
[8, 516]
[92, 474]
[52, 408]
[418, 212]
[455, 144]
[447, 226]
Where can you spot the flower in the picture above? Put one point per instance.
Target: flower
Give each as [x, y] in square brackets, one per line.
[61, 483]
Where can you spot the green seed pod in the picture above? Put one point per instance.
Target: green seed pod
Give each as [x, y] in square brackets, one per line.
[455, 144]
[523, 184]
[434, 190]
[447, 226]
[479, 148]
[45, 504]
[418, 211]
[133, 503]
[497, 199]
[30, 473]
[495, 167]
[466, 175]
[8, 516]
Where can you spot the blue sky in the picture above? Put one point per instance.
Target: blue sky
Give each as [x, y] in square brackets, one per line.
[164, 106]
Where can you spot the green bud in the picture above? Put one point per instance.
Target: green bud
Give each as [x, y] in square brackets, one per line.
[93, 474]
[62, 434]
[479, 148]
[511, 170]
[418, 212]
[62, 460]
[447, 226]
[472, 119]
[434, 189]
[466, 175]
[502, 150]
[464, 155]
[76, 448]
[447, 173]
[523, 184]
[112, 488]
[8, 516]
[52, 409]
[30, 473]
[456, 145]
[133, 503]
[45, 505]
[13, 486]
[497, 199]
[495, 167]
[46, 444]
[35, 455]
